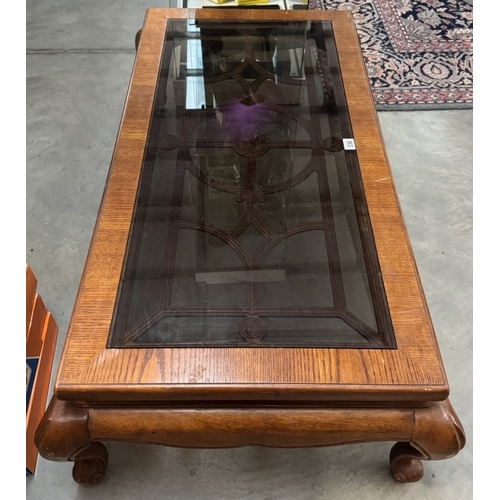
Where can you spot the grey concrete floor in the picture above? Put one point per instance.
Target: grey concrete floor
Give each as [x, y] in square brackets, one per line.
[79, 60]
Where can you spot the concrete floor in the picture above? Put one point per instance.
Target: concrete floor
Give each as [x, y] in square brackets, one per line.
[79, 60]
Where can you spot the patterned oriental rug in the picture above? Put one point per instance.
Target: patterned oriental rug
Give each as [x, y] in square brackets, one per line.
[418, 53]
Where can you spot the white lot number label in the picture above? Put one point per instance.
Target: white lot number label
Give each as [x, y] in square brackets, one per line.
[349, 144]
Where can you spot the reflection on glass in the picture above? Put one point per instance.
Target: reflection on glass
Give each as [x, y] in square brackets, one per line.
[246, 230]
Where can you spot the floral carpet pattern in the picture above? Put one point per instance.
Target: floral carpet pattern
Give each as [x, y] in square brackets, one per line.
[417, 53]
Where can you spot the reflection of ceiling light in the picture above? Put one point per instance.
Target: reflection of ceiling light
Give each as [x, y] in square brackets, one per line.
[195, 87]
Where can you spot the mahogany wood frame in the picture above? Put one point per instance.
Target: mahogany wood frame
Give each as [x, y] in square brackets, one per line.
[265, 396]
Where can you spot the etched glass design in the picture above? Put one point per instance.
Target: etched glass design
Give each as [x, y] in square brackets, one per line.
[250, 226]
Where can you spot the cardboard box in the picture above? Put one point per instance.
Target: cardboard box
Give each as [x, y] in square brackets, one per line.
[41, 335]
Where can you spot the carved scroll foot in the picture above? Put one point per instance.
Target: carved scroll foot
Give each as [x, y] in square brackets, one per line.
[406, 463]
[64, 435]
[90, 464]
[438, 435]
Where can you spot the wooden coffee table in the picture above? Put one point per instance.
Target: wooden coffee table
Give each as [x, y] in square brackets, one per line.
[250, 280]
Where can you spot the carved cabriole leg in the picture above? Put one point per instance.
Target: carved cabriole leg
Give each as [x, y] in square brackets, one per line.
[438, 435]
[63, 435]
[70, 433]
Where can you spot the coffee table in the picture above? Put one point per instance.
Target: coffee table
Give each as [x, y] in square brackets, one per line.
[250, 280]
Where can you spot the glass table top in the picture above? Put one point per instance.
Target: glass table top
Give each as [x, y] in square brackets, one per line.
[250, 227]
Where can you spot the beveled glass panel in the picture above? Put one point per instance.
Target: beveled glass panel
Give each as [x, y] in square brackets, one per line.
[246, 230]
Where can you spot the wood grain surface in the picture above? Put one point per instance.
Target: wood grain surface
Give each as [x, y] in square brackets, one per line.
[90, 372]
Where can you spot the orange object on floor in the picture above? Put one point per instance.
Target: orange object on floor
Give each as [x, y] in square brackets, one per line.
[41, 335]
